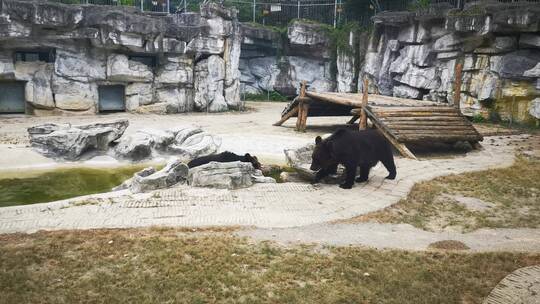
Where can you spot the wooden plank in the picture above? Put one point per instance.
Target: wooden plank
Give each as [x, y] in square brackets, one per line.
[390, 136]
[439, 118]
[335, 99]
[286, 117]
[421, 123]
[447, 138]
[363, 115]
[413, 109]
[417, 114]
[429, 127]
[353, 119]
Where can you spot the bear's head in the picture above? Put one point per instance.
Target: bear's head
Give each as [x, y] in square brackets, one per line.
[253, 160]
[322, 155]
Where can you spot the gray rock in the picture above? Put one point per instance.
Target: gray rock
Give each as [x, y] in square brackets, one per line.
[209, 85]
[71, 142]
[177, 70]
[38, 76]
[191, 143]
[501, 44]
[346, 70]
[80, 65]
[176, 100]
[306, 33]
[447, 43]
[534, 72]
[515, 64]
[174, 172]
[232, 175]
[420, 78]
[405, 91]
[7, 69]
[529, 41]
[206, 45]
[136, 146]
[534, 108]
[119, 68]
[127, 183]
[139, 94]
[74, 95]
[300, 160]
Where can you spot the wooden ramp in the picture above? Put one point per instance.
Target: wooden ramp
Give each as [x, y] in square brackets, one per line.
[402, 121]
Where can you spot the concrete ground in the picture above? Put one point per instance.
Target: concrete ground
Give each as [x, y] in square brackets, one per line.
[287, 213]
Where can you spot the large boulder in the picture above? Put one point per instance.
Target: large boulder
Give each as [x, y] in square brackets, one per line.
[185, 143]
[67, 142]
[147, 180]
[190, 143]
[300, 160]
[534, 108]
[232, 175]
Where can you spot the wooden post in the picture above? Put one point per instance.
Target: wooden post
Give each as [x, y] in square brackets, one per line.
[301, 107]
[457, 85]
[363, 116]
[285, 117]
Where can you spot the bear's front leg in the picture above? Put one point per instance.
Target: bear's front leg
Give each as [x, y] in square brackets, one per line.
[322, 173]
[350, 172]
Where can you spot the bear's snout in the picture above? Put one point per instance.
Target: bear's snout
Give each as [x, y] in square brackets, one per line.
[314, 167]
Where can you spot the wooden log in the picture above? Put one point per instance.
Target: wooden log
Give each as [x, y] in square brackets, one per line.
[436, 118]
[286, 117]
[363, 116]
[416, 114]
[413, 109]
[305, 112]
[448, 138]
[353, 119]
[457, 85]
[429, 127]
[301, 107]
[421, 123]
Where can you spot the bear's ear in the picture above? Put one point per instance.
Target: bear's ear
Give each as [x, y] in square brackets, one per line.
[247, 155]
[318, 140]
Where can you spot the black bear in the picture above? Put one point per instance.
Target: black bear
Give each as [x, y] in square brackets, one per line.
[225, 157]
[352, 149]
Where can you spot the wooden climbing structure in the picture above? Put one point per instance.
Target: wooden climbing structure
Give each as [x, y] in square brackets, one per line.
[402, 121]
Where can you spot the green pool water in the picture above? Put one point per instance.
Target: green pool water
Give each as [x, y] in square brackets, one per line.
[57, 184]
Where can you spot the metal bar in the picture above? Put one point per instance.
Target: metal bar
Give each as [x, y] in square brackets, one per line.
[254, 7]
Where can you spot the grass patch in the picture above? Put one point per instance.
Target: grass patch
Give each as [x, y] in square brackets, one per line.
[174, 266]
[61, 184]
[513, 192]
[271, 96]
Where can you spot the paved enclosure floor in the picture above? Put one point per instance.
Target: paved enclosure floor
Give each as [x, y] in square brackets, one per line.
[294, 211]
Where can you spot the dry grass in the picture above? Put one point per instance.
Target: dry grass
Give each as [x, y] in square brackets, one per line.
[513, 192]
[176, 266]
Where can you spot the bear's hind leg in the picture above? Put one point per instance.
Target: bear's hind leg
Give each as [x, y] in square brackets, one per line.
[350, 172]
[364, 174]
[390, 166]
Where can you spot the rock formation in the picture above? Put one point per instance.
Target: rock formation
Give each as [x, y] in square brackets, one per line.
[185, 143]
[414, 56]
[63, 141]
[231, 175]
[66, 54]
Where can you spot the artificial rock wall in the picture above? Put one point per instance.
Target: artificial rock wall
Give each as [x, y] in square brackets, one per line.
[274, 61]
[415, 56]
[195, 57]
